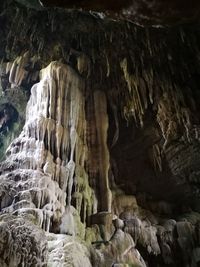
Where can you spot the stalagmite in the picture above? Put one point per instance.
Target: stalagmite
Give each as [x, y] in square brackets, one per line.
[71, 168]
[101, 116]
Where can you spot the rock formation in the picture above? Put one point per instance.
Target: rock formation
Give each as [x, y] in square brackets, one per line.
[99, 126]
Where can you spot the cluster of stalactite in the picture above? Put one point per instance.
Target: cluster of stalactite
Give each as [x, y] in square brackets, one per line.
[58, 174]
[149, 62]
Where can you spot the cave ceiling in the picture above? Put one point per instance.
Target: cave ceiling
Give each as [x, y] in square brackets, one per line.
[152, 12]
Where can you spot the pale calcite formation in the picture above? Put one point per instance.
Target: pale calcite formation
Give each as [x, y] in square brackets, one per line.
[48, 158]
[22, 243]
[19, 70]
[65, 251]
[46, 167]
[49, 155]
[56, 176]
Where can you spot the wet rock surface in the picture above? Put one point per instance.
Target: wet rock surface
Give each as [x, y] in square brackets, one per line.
[22, 243]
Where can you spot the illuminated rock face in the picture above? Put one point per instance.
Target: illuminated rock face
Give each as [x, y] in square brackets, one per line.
[47, 166]
[56, 179]
[22, 243]
[51, 148]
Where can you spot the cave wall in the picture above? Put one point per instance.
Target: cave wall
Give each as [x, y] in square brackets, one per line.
[106, 167]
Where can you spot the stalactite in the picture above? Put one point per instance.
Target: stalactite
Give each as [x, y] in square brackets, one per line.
[84, 65]
[157, 157]
[116, 135]
[137, 90]
[108, 66]
[173, 115]
[18, 72]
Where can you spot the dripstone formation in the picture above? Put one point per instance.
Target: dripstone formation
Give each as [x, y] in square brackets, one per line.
[100, 141]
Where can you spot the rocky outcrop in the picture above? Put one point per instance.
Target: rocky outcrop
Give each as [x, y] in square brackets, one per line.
[22, 243]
